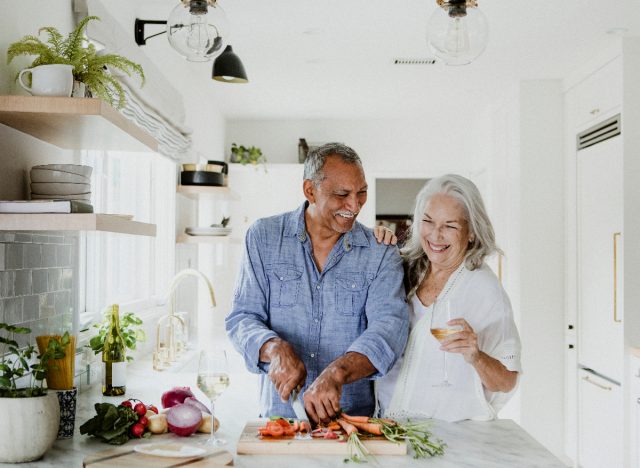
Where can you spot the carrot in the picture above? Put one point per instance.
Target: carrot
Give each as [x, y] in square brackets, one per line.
[347, 426]
[371, 428]
[334, 426]
[305, 427]
[360, 419]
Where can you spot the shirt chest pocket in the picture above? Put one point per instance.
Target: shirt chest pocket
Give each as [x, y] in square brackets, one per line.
[285, 285]
[351, 292]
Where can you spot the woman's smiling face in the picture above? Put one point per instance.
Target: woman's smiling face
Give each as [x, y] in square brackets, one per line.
[444, 232]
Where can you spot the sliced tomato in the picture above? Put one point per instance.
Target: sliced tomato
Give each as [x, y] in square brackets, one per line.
[283, 422]
[289, 431]
[276, 431]
[296, 426]
[264, 431]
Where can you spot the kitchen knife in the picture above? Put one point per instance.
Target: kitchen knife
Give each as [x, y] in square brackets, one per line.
[301, 414]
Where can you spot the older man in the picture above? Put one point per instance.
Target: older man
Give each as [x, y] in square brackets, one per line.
[319, 304]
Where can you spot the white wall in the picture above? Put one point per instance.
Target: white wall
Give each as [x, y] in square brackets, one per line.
[526, 202]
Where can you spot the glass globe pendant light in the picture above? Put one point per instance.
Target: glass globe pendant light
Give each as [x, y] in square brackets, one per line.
[457, 32]
[198, 29]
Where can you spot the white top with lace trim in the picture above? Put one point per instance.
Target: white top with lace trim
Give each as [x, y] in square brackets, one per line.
[409, 388]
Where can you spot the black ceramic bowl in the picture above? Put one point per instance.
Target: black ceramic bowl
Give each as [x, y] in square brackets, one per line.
[201, 178]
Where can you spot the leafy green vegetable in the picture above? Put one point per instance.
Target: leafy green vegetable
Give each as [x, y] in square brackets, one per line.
[417, 434]
[111, 424]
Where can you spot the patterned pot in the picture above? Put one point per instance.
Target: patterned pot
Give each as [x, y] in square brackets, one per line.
[28, 427]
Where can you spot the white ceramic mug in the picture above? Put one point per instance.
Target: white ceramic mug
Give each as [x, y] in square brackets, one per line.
[49, 80]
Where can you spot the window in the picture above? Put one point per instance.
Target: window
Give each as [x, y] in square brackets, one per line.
[132, 271]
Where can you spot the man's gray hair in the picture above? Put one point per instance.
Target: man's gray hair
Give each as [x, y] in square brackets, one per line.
[480, 227]
[317, 157]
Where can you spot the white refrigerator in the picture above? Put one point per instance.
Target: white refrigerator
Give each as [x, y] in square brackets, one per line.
[600, 304]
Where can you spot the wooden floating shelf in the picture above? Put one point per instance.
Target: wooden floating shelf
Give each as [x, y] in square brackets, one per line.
[74, 123]
[187, 239]
[74, 222]
[204, 191]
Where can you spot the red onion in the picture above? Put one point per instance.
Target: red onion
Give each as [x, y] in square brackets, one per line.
[183, 420]
[175, 396]
[192, 401]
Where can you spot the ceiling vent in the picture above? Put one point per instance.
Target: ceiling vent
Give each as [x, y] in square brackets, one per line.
[414, 61]
[599, 133]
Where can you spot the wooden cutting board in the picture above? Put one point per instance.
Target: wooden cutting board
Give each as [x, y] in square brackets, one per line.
[126, 457]
[251, 443]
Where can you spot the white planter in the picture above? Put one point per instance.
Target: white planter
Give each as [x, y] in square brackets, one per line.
[28, 427]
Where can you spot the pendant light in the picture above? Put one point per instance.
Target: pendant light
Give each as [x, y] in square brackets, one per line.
[457, 32]
[198, 29]
[228, 68]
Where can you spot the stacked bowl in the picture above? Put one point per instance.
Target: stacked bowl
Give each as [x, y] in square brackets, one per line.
[61, 182]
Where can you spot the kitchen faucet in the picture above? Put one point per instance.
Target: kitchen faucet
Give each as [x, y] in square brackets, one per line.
[168, 350]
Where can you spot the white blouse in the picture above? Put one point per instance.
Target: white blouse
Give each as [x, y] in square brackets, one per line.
[410, 388]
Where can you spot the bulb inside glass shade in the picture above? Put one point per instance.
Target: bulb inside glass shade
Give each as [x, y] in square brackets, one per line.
[198, 31]
[457, 41]
[457, 34]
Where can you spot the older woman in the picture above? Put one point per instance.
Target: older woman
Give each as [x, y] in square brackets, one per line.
[444, 261]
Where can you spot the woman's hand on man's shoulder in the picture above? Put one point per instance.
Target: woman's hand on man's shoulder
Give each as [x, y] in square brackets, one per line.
[385, 235]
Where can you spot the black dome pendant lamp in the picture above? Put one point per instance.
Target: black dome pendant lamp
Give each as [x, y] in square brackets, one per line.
[228, 68]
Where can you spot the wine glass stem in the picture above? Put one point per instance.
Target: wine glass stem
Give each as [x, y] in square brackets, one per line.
[444, 365]
[212, 438]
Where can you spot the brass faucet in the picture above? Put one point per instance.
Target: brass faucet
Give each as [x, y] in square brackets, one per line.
[168, 347]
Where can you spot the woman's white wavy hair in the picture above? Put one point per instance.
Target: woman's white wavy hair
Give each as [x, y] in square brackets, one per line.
[484, 241]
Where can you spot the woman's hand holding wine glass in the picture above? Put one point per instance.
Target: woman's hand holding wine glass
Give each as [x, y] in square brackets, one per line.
[213, 379]
[441, 329]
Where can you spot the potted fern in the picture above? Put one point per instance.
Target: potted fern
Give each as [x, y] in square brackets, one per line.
[30, 415]
[90, 67]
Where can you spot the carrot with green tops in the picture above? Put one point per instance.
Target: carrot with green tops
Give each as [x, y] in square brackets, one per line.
[370, 427]
[360, 419]
[347, 426]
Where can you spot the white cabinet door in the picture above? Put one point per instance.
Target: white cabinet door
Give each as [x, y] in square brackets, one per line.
[601, 439]
[600, 212]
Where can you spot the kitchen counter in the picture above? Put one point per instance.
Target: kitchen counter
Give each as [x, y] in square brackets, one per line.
[500, 443]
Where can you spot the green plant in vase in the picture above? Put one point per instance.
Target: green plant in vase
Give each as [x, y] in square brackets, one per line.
[89, 65]
[247, 155]
[17, 363]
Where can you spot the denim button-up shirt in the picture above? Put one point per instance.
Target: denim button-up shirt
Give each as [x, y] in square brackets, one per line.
[357, 303]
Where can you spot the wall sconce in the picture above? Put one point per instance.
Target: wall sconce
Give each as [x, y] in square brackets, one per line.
[458, 31]
[197, 29]
[228, 68]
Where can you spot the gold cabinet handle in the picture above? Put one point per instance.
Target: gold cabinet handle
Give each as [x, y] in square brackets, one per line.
[592, 382]
[615, 277]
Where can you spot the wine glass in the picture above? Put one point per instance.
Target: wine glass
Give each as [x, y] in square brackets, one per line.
[213, 379]
[440, 330]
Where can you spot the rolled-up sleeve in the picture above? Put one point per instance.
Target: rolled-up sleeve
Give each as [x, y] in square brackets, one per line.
[246, 324]
[387, 313]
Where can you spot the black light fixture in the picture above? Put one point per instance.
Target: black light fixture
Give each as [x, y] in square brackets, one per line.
[228, 68]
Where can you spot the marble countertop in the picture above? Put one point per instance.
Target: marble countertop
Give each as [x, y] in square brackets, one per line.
[500, 443]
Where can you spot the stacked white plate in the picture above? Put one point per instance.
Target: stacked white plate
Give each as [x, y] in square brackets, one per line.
[61, 182]
[208, 231]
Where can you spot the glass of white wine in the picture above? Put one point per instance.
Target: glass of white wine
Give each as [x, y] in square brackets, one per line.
[440, 330]
[213, 379]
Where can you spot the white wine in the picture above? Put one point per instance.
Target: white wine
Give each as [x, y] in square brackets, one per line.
[114, 369]
[441, 333]
[213, 384]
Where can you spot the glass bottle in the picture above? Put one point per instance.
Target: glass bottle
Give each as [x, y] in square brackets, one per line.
[114, 369]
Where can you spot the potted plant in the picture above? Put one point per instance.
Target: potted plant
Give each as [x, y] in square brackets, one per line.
[89, 66]
[130, 328]
[246, 155]
[30, 415]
